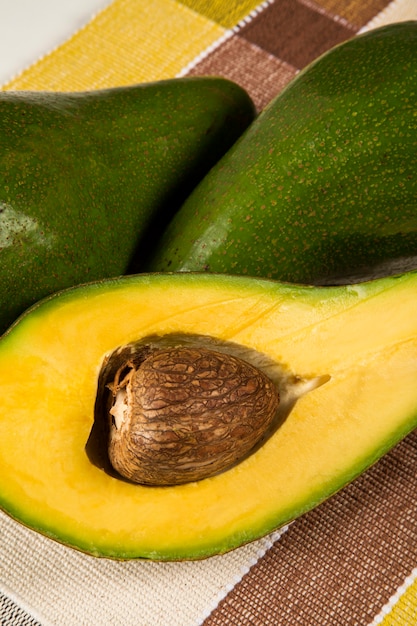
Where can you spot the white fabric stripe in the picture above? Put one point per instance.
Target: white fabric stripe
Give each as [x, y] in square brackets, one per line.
[64, 587]
[396, 11]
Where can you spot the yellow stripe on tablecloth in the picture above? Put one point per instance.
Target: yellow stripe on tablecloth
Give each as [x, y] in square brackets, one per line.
[404, 610]
[130, 41]
[228, 14]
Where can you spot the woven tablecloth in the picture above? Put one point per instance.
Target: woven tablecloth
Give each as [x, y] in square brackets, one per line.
[352, 560]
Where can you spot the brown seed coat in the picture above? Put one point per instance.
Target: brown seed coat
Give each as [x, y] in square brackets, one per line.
[186, 413]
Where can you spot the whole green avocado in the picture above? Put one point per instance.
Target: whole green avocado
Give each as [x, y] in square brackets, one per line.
[86, 179]
[323, 184]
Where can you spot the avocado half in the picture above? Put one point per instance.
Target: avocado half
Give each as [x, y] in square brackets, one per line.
[361, 338]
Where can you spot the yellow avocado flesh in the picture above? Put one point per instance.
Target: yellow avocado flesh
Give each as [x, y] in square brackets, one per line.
[363, 336]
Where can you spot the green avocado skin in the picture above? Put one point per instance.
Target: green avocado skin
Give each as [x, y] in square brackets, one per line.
[323, 183]
[87, 179]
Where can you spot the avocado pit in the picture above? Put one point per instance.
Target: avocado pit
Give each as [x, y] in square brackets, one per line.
[184, 413]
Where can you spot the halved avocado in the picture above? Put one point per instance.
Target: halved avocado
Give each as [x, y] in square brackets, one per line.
[362, 339]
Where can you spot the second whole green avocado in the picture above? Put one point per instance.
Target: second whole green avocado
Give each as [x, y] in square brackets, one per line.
[322, 187]
[86, 178]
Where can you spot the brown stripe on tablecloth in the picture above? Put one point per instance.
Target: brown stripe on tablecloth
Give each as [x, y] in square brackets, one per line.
[257, 71]
[264, 54]
[356, 12]
[340, 563]
[294, 32]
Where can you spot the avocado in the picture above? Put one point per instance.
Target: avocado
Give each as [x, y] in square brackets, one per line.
[88, 179]
[343, 359]
[322, 186]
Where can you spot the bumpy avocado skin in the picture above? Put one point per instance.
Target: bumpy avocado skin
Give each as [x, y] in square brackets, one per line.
[323, 184]
[87, 179]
